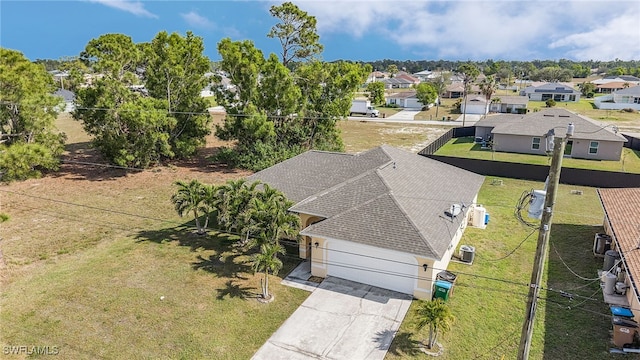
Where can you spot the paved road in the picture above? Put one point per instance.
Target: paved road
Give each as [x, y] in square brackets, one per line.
[407, 116]
[341, 319]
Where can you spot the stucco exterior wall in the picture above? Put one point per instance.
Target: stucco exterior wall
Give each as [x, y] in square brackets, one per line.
[304, 246]
[607, 150]
[517, 144]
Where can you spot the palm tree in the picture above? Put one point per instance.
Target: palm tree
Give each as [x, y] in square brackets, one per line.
[437, 315]
[268, 217]
[488, 86]
[267, 260]
[190, 199]
[440, 84]
[469, 73]
[233, 199]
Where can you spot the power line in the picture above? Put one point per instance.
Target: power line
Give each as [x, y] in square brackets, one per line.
[516, 248]
[564, 293]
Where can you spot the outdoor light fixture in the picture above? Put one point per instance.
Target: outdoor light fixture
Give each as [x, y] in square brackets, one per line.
[425, 266]
[316, 244]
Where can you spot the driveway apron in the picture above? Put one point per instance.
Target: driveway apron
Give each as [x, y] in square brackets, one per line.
[341, 319]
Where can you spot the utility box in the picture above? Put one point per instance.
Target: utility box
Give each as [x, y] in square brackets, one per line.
[442, 290]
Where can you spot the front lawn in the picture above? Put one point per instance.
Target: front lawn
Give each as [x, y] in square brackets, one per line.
[466, 148]
[490, 295]
[96, 262]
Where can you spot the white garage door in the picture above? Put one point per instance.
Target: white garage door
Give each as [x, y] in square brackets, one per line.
[413, 103]
[370, 265]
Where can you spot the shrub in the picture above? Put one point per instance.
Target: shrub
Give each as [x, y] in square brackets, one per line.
[629, 110]
[550, 103]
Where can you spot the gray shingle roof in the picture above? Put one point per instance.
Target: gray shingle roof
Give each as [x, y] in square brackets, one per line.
[634, 90]
[396, 204]
[538, 123]
[314, 171]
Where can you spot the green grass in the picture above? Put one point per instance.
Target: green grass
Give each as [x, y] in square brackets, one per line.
[105, 302]
[489, 313]
[466, 148]
[85, 272]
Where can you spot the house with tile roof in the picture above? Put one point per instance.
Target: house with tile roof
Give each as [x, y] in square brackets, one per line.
[556, 91]
[622, 224]
[384, 217]
[621, 99]
[525, 134]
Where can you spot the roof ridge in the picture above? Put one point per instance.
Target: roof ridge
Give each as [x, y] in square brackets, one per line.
[406, 215]
[337, 186]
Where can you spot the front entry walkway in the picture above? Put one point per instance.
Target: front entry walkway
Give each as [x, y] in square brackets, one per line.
[341, 319]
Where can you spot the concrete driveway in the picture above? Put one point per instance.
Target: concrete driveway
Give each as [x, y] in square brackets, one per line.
[341, 319]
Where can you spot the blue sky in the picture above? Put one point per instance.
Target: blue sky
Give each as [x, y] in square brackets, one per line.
[354, 30]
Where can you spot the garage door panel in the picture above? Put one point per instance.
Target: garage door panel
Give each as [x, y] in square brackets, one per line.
[373, 266]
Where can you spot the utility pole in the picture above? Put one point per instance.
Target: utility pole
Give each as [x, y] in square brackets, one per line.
[543, 240]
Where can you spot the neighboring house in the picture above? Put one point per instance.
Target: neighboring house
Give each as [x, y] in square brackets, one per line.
[621, 99]
[621, 223]
[525, 134]
[397, 83]
[69, 100]
[610, 87]
[556, 91]
[474, 105]
[405, 99]
[376, 76]
[456, 90]
[404, 76]
[510, 104]
[380, 217]
[632, 80]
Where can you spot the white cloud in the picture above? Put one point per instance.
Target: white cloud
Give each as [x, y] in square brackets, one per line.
[521, 29]
[619, 37]
[198, 21]
[133, 7]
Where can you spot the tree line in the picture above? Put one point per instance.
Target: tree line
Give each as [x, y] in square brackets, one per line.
[515, 69]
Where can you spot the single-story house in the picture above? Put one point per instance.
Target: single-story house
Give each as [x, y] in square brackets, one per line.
[406, 99]
[69, 100]
[475, 105]
[556, 91]
[608, 88]
[376, 76]
[385, 217]
[632, 80]
[622, 225]
[456, 90]
[508, 104]
[525, 134]
[405, 76]
[621, 99]
[397, 83]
